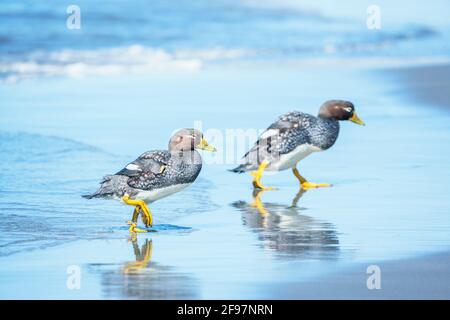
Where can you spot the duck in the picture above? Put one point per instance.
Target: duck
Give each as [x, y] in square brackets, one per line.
[293, 137]
[155, 174]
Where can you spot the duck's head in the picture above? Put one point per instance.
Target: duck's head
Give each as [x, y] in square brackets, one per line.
[340, 110]
[188, 140]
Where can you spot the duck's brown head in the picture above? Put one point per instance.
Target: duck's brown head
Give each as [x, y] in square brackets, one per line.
[340, 110]
[188, 140]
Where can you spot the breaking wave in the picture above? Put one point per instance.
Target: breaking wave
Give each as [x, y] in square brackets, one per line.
[134, 59]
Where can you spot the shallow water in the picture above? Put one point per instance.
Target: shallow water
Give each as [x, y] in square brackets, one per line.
[388, 200]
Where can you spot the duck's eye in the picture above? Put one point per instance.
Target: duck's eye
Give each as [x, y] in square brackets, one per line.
[348, 109]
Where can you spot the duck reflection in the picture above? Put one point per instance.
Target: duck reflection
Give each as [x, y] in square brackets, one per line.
[143, 256]
[144, 279]
[288, 232]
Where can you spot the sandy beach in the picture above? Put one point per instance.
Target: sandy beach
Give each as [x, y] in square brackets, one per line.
[417, 279]
[427, 84]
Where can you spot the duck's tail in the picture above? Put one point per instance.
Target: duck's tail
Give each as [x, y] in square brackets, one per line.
[96, 195]
[107, 188]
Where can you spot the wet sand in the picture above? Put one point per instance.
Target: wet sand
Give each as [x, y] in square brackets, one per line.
[419, 278]
[428, 84]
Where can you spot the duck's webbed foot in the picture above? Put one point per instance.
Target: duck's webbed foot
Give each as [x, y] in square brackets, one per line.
[305, 184]
[310, 185]
[134, 229]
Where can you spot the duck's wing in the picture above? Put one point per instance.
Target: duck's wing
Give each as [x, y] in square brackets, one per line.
[143, 171]
[281, 137]
[288, 132]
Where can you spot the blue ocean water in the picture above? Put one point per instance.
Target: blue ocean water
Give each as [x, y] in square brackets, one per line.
[140, 36]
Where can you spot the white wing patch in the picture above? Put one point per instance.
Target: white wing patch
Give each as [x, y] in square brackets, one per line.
[132, 167]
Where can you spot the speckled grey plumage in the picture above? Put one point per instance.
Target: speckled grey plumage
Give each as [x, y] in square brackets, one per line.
[288, 132]
[151, 171]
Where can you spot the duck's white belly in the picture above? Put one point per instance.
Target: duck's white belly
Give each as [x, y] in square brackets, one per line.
[289, 160]
[153, 195]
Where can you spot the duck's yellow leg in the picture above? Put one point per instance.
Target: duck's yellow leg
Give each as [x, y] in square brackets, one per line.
[257, 175]
[305, 184]
[136, 212]
[257, 203]
[140, 206]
